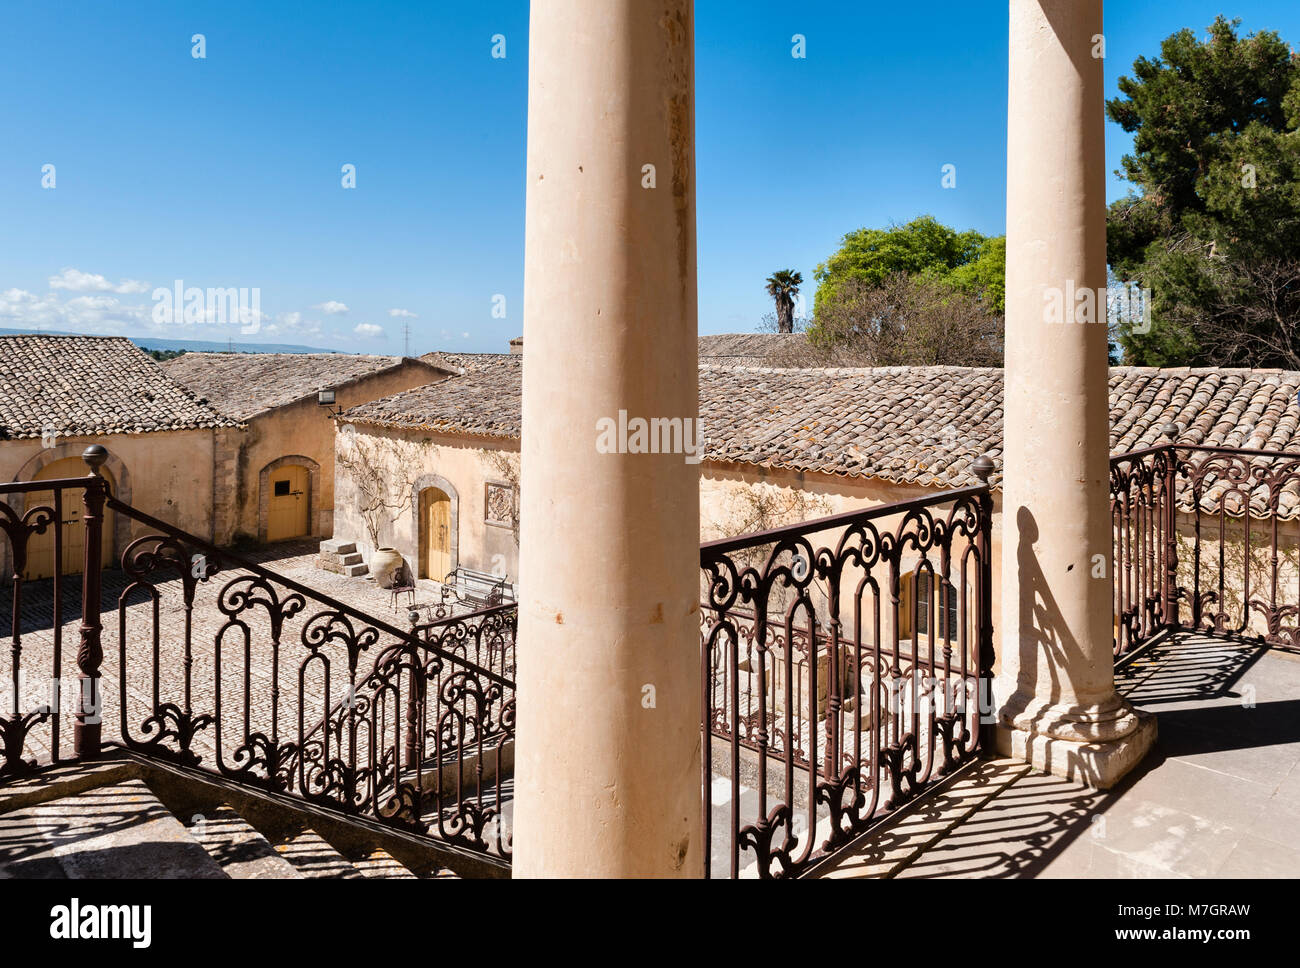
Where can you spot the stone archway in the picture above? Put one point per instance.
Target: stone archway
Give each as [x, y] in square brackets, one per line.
[423, 483]
[314, 524]
[117, 474]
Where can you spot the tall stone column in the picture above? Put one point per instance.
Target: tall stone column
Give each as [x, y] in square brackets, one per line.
[608, 732]
[1059, 709]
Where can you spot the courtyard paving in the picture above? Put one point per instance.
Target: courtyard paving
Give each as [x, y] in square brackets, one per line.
[1219, 796]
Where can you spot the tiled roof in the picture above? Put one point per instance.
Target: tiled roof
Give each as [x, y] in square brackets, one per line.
[748, 344]
[910, 425]
[485, 402]
[82, 385]
[472, 362]
[243, 385]
[920, 425]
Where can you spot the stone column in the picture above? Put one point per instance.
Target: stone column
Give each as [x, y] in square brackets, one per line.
[608, 731]
[1059, 709]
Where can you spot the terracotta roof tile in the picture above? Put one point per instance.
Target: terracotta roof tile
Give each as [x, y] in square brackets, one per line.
[83, 385]
[911, 425]
[243, 385]
[463, 363]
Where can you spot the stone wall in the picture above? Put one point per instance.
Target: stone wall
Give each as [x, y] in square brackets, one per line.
[297, 433]
[168, 475]
[462, 467]
[735, 499]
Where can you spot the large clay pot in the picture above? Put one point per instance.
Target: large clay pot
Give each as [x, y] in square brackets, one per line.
[385, 565]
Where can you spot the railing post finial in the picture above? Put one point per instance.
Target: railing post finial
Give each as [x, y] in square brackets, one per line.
[1170, 431]
[982, 467]
[94, 456]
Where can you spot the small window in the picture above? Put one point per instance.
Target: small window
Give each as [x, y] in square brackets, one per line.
[281, 488]
[921, 586]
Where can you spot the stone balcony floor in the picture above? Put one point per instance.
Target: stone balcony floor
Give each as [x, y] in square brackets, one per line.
[1219, 796]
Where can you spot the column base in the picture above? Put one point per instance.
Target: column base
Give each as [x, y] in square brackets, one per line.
[1098, 763]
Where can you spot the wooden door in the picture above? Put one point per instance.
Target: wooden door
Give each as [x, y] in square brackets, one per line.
[40, 547]
[290, 499]
[435, 534]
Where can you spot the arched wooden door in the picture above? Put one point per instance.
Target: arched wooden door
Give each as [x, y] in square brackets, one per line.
[40, 548]
[289, 503]
[435, 534]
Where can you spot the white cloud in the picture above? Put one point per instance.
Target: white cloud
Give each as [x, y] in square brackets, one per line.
[75, 280]
[20, 309]
[368, 330]
[292, 323]
[402, 314]
[464, 335]
[332, 307]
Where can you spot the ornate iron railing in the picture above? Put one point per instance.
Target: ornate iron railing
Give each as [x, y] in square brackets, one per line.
[843, 666]
[32, 712]
[1207, 539]
[227, 668]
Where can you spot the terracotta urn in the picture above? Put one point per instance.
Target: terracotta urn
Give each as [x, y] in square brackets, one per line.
[385, 564]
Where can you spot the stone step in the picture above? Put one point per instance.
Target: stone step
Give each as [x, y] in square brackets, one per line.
[352, 558]
[119, 830]
[239, 849]
[60, 826]
[354, 571]
[315, 857]
[337, 546]
[380, 864]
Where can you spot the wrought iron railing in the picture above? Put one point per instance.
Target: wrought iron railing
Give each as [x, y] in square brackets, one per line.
[35, 707]
[228, 668]
[1206, 539]
[845, 664]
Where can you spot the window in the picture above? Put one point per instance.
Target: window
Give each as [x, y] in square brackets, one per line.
[281, 489]
[920, 587]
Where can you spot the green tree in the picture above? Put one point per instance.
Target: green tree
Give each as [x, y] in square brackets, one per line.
[783, 285]
[923, 252]
[1214, 222]
[922, 247]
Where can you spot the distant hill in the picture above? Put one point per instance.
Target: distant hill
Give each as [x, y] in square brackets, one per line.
[190, 345]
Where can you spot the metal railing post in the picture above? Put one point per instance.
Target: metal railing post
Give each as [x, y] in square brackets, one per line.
[90, 655]
[1169, 583]
[983, 468]
[88, 721]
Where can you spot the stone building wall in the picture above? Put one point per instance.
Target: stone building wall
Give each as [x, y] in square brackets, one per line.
[735, 499]
[410, 460]
[167, 475]
[298, 433]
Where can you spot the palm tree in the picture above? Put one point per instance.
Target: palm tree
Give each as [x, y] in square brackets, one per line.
[783, 286]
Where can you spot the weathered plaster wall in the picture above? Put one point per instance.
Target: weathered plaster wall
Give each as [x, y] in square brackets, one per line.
[304, 429]
[167, 475]
[734, 498]
[463, 464]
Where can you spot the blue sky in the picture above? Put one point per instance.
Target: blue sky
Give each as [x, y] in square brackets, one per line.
[225, 171]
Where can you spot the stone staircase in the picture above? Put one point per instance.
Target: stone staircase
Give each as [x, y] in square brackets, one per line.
[109, 821]
[341, 557]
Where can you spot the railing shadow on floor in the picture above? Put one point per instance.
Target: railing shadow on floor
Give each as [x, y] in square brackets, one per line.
[1197, 685]
[1182, 667]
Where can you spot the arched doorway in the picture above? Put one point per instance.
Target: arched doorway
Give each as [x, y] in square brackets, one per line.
[288, 511]
[40, 547]
[434, 533]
